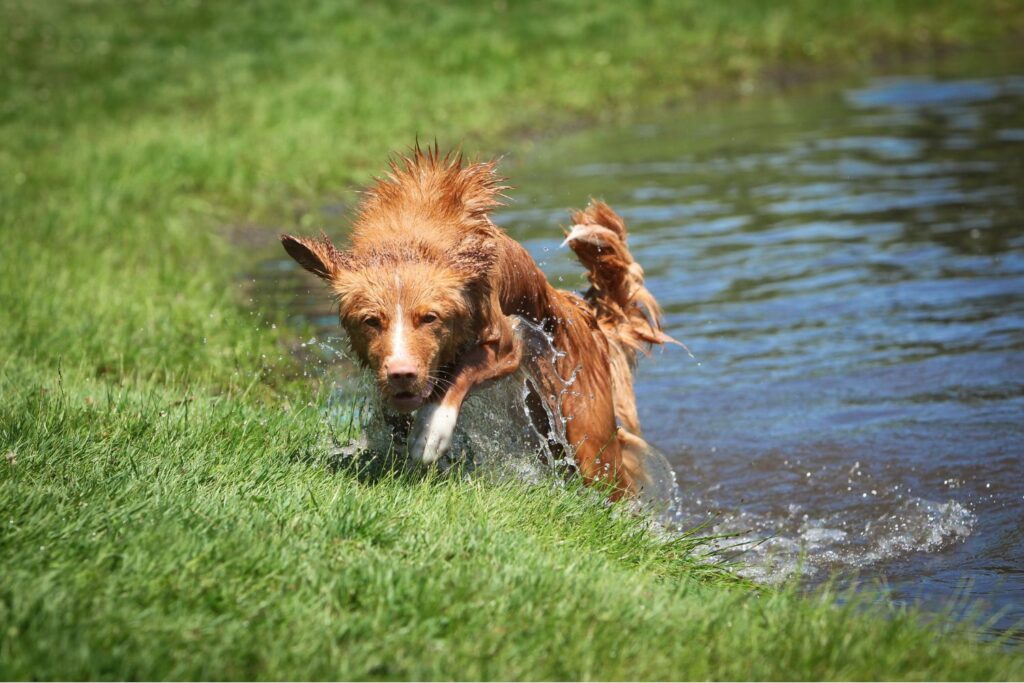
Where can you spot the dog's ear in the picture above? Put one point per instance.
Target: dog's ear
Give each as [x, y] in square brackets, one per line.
[474, 257]
[318, 256]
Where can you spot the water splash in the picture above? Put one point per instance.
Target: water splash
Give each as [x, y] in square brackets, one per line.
[772, 548]
[512, 428]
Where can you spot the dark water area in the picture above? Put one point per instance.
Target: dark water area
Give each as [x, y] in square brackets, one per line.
[847, 266]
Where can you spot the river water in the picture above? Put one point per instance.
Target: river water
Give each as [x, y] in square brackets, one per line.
[847, 266]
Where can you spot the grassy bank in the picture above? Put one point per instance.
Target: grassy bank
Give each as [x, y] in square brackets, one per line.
[165, 508]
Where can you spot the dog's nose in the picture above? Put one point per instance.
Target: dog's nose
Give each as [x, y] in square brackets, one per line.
[400, 371]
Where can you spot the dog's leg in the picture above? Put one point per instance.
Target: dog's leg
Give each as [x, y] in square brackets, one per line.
[433, 432]
[435, 423]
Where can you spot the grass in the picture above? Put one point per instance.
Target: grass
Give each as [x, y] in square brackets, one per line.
[165, 508]
[149, 538]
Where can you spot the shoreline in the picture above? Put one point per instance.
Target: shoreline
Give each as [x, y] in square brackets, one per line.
[783, 81]
[779, 81]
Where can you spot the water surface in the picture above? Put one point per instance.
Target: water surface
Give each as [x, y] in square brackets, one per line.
[847, 266]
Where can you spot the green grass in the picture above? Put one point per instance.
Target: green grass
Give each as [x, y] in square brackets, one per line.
[166, 510]
[148, 538]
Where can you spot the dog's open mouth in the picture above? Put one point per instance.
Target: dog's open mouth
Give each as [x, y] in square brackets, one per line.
[408, 401]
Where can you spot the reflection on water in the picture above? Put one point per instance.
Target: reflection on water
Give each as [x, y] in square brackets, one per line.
[848, 268]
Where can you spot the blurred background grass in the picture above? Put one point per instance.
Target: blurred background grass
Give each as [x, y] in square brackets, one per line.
[132, 132]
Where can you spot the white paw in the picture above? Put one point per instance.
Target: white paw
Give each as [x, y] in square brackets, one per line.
[432, 434]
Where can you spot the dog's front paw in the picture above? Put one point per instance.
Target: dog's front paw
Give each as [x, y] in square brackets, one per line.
[433, 432]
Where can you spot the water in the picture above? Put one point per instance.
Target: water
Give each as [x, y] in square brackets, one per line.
[847, 266]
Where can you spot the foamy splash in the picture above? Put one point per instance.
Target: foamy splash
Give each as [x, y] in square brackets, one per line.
[772, 549]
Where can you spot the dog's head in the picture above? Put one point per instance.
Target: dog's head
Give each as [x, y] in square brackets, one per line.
[412, 290]
[408, 309]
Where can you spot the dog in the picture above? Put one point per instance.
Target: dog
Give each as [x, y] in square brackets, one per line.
[428, 292]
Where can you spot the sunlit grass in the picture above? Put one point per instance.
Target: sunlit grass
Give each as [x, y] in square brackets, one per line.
[146, 537]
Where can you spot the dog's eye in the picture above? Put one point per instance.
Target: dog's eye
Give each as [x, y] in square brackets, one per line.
[372, 321]
[428, 318]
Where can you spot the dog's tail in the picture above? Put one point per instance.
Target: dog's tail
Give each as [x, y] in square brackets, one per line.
[622, 303]
[628, 315]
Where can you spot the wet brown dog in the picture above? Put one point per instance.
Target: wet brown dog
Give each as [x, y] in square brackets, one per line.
[427, 289]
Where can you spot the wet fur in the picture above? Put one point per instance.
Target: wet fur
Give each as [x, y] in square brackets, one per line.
[427, 271]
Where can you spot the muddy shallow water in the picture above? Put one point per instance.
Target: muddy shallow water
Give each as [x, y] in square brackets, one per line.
[847, 266]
